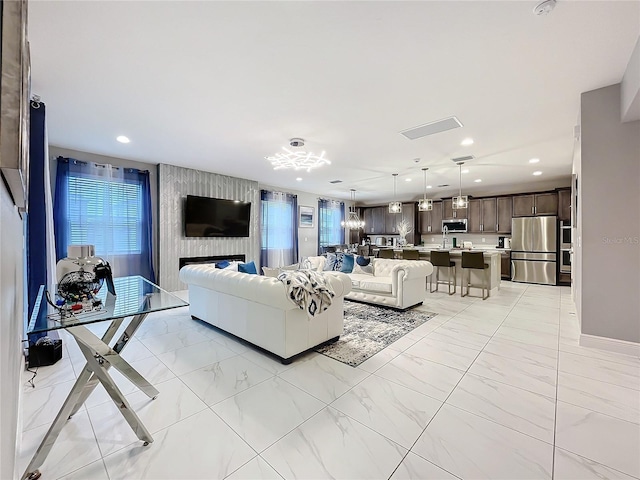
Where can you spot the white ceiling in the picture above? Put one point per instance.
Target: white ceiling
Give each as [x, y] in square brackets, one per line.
[217, 86]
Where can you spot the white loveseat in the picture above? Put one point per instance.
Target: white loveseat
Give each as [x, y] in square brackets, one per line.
[399, 284]
[257, 309]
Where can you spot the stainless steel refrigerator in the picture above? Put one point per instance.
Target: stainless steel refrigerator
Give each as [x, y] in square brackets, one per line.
[533, 250]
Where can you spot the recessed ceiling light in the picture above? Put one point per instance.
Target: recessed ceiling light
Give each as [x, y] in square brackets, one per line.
[123, 139]
[407, 179]
[466, 170]
[299, 179]
[534, 160]
[538, 172]
[478, 180]
[429, 186]
[466, 142]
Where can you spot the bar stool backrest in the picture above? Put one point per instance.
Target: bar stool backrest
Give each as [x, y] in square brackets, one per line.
[386, 253]
[473, 260]
[410, 254]
[440, 259]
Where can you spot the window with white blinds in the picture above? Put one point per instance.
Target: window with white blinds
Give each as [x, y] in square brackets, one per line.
[105, 214]
[330, 231]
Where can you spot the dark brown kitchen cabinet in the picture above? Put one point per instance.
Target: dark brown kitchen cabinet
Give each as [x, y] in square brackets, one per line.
[474, 215]
[505, 265]
[367, 216]
[409, 214]
[489, 215]
[448, 212]
[431, 221]
[535, 204]
[504, 212]
[564, 205]
[391, 222]
[481, 215]
[379, 220]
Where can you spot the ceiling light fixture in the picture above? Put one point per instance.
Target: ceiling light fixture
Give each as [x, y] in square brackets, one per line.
[353, 221]
[122, 139]
[544, 8]
[538, 172]
[299, 179]
[466, 142]
[297, 159]
[461, 201]
[478, 180]
[407, 179]
[425, 204]
[466, 170]
[534, 160]
[395, 207]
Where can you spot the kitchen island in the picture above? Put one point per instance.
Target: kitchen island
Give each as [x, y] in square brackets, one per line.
[492, 257]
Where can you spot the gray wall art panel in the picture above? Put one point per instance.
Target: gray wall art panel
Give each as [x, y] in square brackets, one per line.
[175, 183]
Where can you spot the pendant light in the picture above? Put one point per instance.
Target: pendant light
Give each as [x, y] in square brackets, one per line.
[353, 221]
[461, 201]
[395, 207]
[425, 204]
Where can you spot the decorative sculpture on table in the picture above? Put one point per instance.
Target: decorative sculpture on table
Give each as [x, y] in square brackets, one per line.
[404, 229]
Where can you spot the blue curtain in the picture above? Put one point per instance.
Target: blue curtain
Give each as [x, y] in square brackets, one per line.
[36, 243]
[278, 229]
[330, 230]
[109, 207]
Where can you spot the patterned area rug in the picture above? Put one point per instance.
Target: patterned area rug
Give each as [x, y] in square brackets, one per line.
[368, 329]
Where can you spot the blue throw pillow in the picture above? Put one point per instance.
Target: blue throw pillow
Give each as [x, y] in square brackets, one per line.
[347, 263]
[363, 261]
[222, 264]
[330, 263]
[248, 268]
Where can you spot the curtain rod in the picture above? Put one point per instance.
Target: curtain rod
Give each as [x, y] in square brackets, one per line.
[102, 165]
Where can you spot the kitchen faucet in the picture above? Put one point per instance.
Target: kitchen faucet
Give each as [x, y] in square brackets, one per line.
[445, 230]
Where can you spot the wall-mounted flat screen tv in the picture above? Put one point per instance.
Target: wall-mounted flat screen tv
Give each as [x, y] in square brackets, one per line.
[214, 217]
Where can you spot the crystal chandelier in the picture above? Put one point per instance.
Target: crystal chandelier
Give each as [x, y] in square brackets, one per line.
[297, 159]
[353, 221]
[395, 207]
[425, 204]
[461, 201]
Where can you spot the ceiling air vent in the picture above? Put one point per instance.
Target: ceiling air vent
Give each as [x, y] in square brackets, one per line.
[463, 159]
[432, 128]
[335, 181]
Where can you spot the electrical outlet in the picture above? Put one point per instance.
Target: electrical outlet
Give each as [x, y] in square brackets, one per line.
[483, 240]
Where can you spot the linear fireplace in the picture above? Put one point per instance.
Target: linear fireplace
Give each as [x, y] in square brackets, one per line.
[210, 259]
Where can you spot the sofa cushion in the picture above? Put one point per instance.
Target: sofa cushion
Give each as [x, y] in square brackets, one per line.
[330, 262]
[248, 268]
[363, 265]
[270, 272]
[347, 263]
[375, 284]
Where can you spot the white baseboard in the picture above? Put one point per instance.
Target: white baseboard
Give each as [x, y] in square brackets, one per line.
[611, 344]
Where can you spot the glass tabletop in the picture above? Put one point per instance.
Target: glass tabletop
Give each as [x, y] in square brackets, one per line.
[134, 295]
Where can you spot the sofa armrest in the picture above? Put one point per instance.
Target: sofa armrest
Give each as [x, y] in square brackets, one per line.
[414, 269]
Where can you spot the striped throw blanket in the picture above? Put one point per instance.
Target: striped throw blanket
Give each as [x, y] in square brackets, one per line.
[308, 289]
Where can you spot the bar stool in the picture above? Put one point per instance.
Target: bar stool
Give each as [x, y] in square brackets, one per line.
[475, 261]
[442, 260]
[410, 254]
[386, 253]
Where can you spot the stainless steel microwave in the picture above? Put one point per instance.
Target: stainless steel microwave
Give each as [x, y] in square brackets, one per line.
[455, 225]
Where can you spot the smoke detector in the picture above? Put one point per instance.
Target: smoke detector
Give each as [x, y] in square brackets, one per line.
[296, 142]
[544, 8]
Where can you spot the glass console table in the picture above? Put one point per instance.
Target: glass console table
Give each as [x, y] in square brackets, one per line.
[135, 297]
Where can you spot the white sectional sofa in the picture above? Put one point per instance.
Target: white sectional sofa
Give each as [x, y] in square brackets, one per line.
[400, 284]
[257, 309]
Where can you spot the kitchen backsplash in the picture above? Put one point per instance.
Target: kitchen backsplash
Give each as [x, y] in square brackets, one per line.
[490, 239]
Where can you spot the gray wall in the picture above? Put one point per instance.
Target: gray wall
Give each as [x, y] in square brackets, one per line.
[175, 183]
[55, 152]
[609, 218]
[11, 324]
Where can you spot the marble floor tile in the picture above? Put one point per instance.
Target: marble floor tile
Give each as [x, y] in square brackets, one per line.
[457, 335]
[601, 354]
[607, 440]
[40, 405]
[540, 314]
[155, 325]
[607, 398]
[547, 340]
[619, 374]
[332, 445]
[265, 413]
[166, 342]
[224, 379]
[100, 395]
[423, 376]
[445, 353]
[255, 469]
[187, 359]
[569, 466]
[59, 372]
[404, 342]
[75, 447]
[266, 361]
[93, 471]
[533, 325]
[524, 352]
[394, 411]
[414, 467]
[380, 359]
[135, 350]
[324, 378]
[513, 407]
[224, 338]
[469, 446]
[174, 403]
[200, 447]
[516, 373]
[476, 325]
